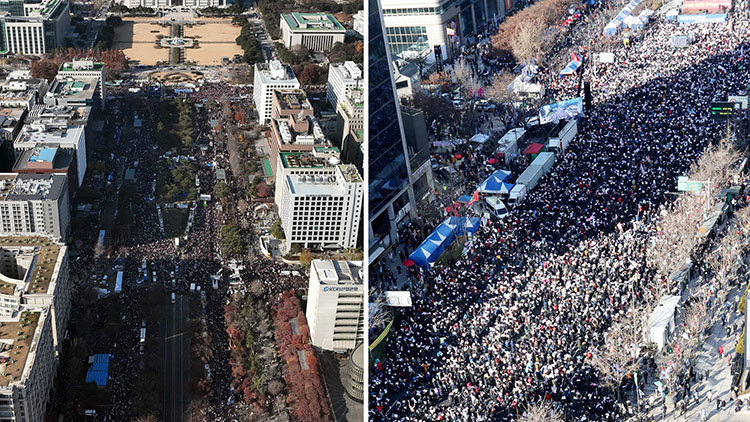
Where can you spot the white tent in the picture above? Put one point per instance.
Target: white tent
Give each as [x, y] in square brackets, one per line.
[480, 138]
[661, 321]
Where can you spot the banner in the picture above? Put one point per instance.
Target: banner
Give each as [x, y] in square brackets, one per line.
[716, 18]
[560, 110]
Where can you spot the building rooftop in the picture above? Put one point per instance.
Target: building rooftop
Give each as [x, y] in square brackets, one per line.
[350, 173]
[59, 112]
[41, 133]
[337, 273]
[292, 99]
[82, 65]
[41, 272]
[312, 22]
[44, 157]
[16, 339]
[74, 87]
[348, 70]
[302, 160]
[31, 187]
[274, 70]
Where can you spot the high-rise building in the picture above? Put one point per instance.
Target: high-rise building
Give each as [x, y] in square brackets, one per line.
[34, 204]
[293, 125]
[79, 70]
[342, 79]
[35, 293]
[350, 128]
[415, 27]
[335, 305]
[391, 171]
[269, 77]
[360, 22]
[33, 28]
[314, 31]
[319, 205]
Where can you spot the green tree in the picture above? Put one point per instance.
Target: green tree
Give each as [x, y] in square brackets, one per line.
[221, 189]
[277, 231]
[305, 258]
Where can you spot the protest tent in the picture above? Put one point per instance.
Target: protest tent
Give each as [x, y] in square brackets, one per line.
[661, 322]
[442, 237]
[480, 138]
[495, 183]
[571, 68]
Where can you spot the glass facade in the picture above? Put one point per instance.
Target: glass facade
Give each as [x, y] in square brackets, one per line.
[387, 159]
[407, 38]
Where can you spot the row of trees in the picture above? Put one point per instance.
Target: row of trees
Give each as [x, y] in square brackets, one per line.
[231, 242]
[253, 372]
[180, 183]
[135, 11]
[47, 66]
[530, 32]
[249, 44]
[306, 394]
[175, 126]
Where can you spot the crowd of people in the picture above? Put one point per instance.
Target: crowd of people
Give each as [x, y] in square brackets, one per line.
[516, 318]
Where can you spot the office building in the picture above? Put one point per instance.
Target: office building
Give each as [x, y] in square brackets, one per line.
[356, 374]
[35, 293]
[314, 31]
[393, 168]
[20, 89]
[323, 209]
[80, 70]
[415, 27]
[267, 78]
[63, 117]
[34, 28]
[74, 92]
[73, 138]
[191, 4]
[293, 125]
[360, 22]
[342, 78]
[335, 305]
[350, 128]
[34, 204]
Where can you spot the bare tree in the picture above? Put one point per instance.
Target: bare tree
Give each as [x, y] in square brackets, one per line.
[618, 356]
[464, 77]
[542, 411]
[526, 45]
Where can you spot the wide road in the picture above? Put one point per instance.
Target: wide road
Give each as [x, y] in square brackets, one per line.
[175, 344]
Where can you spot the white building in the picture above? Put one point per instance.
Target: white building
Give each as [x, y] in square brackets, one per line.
[268, 77]
[163, 4]
[315, 31]
[73, 137]
[360, 22]
[40, 28]
[34, 204]
[415, 27]
[342, 78]
[323, 207]
[335, 304]
[35, 293]
[82, 69]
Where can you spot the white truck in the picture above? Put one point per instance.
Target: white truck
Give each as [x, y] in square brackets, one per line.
[530, 177]
[561, 135]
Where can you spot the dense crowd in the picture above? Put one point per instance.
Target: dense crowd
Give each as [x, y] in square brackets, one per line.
[515, 319]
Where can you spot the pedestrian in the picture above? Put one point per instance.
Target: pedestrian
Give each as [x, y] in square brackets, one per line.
[710, 396]
[721, 351]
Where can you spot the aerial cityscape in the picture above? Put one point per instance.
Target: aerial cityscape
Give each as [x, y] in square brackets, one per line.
[558, 209]
[181, 199]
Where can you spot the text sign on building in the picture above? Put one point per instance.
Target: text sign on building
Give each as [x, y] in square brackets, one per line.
[741, 99]
[341, 289]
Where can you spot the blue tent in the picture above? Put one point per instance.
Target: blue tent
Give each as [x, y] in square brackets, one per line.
[442, 237]
[494, 183]
[99, 371]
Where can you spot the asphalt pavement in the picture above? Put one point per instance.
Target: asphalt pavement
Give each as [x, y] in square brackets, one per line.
[175, 344]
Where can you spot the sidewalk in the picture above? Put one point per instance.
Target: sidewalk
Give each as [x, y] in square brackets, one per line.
[719, 381]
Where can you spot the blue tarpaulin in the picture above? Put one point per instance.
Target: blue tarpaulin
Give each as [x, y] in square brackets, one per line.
[570, 68]
[614, 25]
[715, 18]
[99, 371]
[494, 183]
[442, 237]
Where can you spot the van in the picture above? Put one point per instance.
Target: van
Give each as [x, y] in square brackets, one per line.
[496, 207]
[173, 297]
[192, 287]
[516, 195]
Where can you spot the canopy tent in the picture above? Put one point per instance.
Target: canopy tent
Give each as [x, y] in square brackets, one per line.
[442, 237]
[615, 24]
[634, 23]
[672, 15]
[480, 138]
[99, 370]
[464, 199]
[495, 183]
[534, 148]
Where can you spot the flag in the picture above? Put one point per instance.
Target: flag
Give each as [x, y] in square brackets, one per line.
[474, 198]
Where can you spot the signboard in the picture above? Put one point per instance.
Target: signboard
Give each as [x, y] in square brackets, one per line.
[742, 99]
[716, 18]
[561, 110]
[686, 185]
[398, 299]
[606, 57]
[723, 110]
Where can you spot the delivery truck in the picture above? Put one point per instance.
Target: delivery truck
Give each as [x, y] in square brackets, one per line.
[531, 176]
[562, 135]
